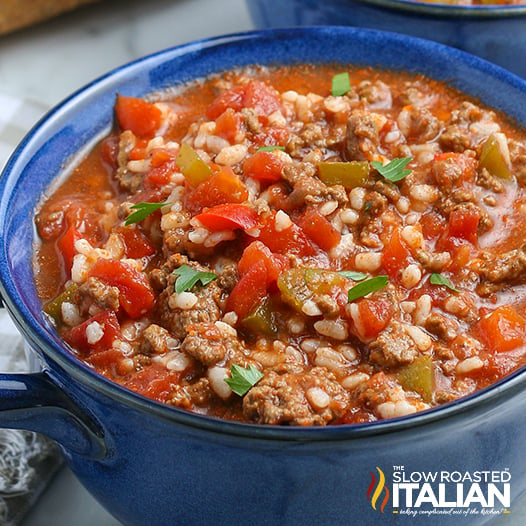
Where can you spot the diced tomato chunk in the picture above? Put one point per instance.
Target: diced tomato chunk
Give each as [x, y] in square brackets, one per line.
[136, 296]
[222, 187]
[136, 243]
[228, 217]
[161, 174]
[274, 136]
[256, 95]
[79, 336]
[249, 291]
[395, 256]
[504, 329]
[290, 240]
[433, 225]
[228, 125]
[452, 170]
[319, 229]
[374, 315]
[264, 166]
[257, 251]
[261, 98]
[137, 115]
[464, 223]
[109, 150]
[66, 247]
[232, 98]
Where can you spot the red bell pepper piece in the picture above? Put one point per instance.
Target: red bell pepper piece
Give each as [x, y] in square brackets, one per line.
[137, 115]
[136, 296]
[111, 329]
[249, 291]
[319, 229]
[230, 216]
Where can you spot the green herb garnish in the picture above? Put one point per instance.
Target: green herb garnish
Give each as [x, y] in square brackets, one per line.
[353, 274]
[188, 277]
[394, 170]
[438, 279]
[242, 379]
[270, 148]
[341, 84]
[142, 210]
[367, 286]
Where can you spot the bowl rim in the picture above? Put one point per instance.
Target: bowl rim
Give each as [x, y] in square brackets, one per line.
[421, 7]
[38, 335]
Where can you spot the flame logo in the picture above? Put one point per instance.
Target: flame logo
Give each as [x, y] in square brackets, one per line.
[374, 496]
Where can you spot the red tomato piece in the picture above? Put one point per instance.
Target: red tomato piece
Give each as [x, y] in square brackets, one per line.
[504, 329]
[395, 256]
[375, 315]
[319, 229]
[136, 296]
[452, 170]
[228, 125]
[264, 166]
[249, 291]
[232, 98]
[136, 243]
[109, 151]
[230, 216]
[275, 264]
[161, 174]
[66, 247]
[108, 322]
[137, 115]
[291, 240]
[261, 98]
[433, 225]
[463, 224]
[275, 136]
[222, 187]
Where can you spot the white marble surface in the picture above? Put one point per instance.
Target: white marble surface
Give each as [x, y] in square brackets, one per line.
[48, 62]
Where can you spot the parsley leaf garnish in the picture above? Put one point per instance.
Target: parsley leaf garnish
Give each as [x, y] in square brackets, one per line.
[353, 274]
[438, 279]
[242, 379]
[395, 170]
[341, 84]
[270, 148]
[367, 286]
[142, 210]
[188, 277]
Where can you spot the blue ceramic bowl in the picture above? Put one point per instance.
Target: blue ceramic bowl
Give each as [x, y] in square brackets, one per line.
[496, 33]
[156, 465]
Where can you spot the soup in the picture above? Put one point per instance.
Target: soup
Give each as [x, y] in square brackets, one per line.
[304, 245]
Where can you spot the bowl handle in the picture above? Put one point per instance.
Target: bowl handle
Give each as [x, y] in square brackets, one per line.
[35, 403]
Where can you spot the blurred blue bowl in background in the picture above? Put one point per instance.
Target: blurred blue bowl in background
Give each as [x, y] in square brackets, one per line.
[494, 32]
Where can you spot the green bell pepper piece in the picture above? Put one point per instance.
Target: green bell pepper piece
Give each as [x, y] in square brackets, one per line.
[419, 376]
[493, 159]
[348, 174]
[192, 166]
